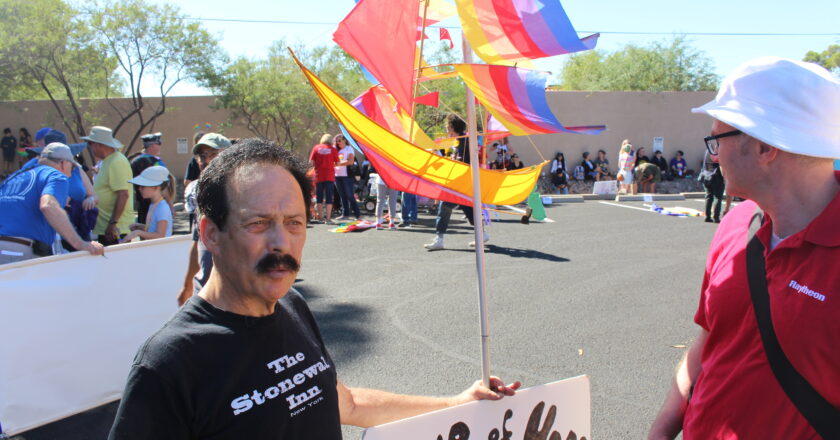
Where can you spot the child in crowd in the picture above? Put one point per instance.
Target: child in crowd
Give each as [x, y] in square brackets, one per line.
[153, 181]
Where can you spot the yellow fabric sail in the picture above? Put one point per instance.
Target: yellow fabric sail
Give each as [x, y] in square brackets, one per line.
[497, 187]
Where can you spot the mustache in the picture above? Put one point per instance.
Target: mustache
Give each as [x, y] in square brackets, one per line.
[277, 261]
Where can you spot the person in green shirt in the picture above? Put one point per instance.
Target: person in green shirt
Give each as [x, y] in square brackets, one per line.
[112, 187]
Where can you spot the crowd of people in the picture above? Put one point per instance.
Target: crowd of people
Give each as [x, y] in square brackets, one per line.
[635, 172]
[55, 203]
[752, 371]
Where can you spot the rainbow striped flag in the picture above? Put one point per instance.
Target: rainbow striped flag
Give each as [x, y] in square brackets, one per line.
[504, 31]
[516, 98]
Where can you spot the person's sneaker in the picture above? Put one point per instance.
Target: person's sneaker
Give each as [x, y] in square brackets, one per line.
[708, 220]
[486, 238]
[379, 226]
[392, 226]
[435, 245]
[405, 225]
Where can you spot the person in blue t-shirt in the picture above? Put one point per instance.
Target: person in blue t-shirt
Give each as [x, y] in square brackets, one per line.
[32, 208]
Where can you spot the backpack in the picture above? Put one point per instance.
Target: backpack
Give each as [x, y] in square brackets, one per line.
[578, 173]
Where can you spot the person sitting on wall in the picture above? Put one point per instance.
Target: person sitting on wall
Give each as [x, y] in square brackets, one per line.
[678, 165]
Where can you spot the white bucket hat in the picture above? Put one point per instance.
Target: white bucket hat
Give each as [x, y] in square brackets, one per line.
[104, 136]
[788, 104]
[152, 176]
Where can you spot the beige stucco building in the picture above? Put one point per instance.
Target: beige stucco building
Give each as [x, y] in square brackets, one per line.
[638, 116]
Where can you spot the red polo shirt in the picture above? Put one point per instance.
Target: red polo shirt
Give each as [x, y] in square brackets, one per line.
[736, 395]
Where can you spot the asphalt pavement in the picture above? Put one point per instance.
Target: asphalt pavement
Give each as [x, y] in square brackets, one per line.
[602, 289]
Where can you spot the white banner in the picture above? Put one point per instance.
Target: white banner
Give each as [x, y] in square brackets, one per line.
[539, 413]
[71, 324]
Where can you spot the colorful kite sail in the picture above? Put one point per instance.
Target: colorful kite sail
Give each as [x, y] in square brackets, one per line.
[411, 168]
[501, 31]
[382, 37]
[516, 98]
[377, 104]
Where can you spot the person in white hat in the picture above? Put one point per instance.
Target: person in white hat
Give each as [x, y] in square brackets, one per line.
[116, 199]
[151, 184]
[765, 363]
[32, 208]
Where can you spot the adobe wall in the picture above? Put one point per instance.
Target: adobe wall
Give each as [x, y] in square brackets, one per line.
[638, 116]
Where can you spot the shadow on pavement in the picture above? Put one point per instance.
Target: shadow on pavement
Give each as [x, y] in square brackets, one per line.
[343, 325]
[517, 253]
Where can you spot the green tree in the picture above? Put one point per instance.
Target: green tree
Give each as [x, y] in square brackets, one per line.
[452, 92]
[48, 52]
[666, 65]
[829, 58]
[51, 50]
[275, 101]
[154, 46]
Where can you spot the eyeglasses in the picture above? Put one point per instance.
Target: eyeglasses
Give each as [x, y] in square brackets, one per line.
[712, 144]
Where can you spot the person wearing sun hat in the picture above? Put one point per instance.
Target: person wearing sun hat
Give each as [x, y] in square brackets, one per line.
[32, 208]
[775, 134]
[152, 183]
[116, 198]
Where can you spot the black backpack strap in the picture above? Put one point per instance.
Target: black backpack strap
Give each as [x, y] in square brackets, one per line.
[822, 416]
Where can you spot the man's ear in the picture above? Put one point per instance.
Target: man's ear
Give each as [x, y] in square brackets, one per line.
[767, 153]
[209, 234]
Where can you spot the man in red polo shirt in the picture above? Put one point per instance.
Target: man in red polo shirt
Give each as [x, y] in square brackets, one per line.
[324, 158]
[775, 134]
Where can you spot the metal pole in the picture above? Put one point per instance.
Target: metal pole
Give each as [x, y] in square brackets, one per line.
[418, 70]
[478, 221]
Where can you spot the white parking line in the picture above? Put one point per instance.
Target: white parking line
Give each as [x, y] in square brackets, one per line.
[628, 207]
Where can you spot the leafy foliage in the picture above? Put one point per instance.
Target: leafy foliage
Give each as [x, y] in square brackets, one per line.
[51, 50]
[667, 65]
[151, 44]
[829, 58]
[274, 100]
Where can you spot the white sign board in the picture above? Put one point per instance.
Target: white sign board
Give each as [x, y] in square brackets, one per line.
[542, 412]
[658, 144]
[182, 145]
[71, 325]
[605, 187]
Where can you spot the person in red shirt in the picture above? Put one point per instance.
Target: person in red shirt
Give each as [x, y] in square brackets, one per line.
[775, 123]
[324, 158]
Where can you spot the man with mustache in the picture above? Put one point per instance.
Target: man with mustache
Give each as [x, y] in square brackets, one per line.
[244, 358]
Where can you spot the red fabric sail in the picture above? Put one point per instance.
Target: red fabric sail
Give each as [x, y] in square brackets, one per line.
[382, 36]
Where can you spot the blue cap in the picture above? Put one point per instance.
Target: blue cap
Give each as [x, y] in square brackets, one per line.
[55, 136]
[41, 133]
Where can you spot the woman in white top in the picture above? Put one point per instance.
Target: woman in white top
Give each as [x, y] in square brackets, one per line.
[343, 180]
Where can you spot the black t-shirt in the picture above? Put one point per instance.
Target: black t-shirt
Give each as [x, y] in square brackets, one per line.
[462, 151]
[192, 172]
[212, 374]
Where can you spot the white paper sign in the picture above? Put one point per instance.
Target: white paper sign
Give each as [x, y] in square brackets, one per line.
[182, 145]
[72, 323]
[605, 187]
[542, 412]
[658, 144]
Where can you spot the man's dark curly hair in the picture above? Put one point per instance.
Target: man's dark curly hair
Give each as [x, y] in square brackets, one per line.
[212, 185]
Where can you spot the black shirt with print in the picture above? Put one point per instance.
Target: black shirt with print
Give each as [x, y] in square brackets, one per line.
[212, 374]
